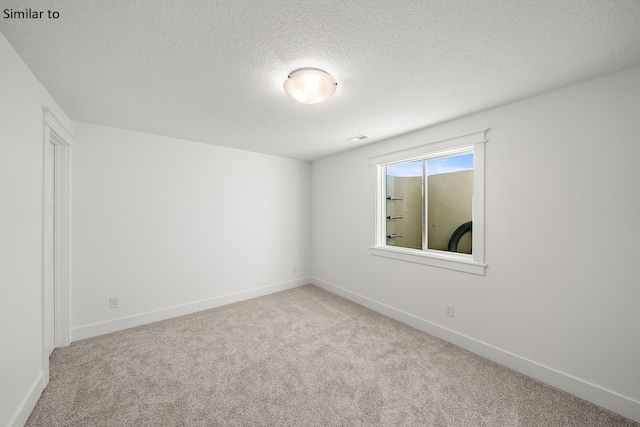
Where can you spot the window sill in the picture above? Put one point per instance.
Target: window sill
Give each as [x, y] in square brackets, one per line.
[445, 260]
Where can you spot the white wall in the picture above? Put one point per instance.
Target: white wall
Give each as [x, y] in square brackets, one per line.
[560, 297]
[21, 139]
[173, 226]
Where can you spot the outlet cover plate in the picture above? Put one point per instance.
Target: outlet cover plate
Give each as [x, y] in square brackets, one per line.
[448, 310]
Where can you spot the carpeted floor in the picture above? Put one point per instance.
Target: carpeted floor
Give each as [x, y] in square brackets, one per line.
[302, 357]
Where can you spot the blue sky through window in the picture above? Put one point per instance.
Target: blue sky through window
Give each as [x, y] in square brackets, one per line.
[434, 166]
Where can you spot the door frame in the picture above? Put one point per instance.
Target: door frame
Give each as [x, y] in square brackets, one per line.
[56, 133]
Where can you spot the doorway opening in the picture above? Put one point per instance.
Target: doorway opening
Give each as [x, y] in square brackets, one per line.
[56, 237]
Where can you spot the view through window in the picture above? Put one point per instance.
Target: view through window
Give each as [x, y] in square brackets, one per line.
[444, 204]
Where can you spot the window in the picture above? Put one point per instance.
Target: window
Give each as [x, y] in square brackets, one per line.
[430, 203]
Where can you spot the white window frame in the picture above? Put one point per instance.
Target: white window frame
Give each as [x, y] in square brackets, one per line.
[470, 263]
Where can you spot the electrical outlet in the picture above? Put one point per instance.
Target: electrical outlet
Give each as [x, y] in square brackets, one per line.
[114, 302]
[448, 310]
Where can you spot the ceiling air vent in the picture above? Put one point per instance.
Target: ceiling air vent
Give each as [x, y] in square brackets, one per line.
[358, 138]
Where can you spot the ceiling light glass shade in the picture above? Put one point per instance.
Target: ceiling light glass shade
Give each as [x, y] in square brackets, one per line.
[310, 85]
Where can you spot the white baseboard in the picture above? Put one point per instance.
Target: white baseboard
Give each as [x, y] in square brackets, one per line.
[102, 328]
[28, 403]
[607, 399]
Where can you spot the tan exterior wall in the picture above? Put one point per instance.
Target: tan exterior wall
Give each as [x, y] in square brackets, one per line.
[410, 208]
[450, 198]
[450, 204]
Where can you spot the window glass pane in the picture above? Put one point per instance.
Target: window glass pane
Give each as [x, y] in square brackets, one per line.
[404, 204]
[450, 202]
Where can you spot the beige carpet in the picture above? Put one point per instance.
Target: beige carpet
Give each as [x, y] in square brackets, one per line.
[303, 357]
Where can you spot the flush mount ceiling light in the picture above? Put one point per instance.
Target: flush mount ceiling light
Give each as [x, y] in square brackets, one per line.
[310, 85]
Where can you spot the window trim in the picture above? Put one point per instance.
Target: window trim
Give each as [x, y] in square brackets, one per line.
[474, 263]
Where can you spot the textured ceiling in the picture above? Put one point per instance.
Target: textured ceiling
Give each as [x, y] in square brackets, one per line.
[212, 71]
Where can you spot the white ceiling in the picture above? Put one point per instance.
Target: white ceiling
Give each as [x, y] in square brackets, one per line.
[212, 71]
